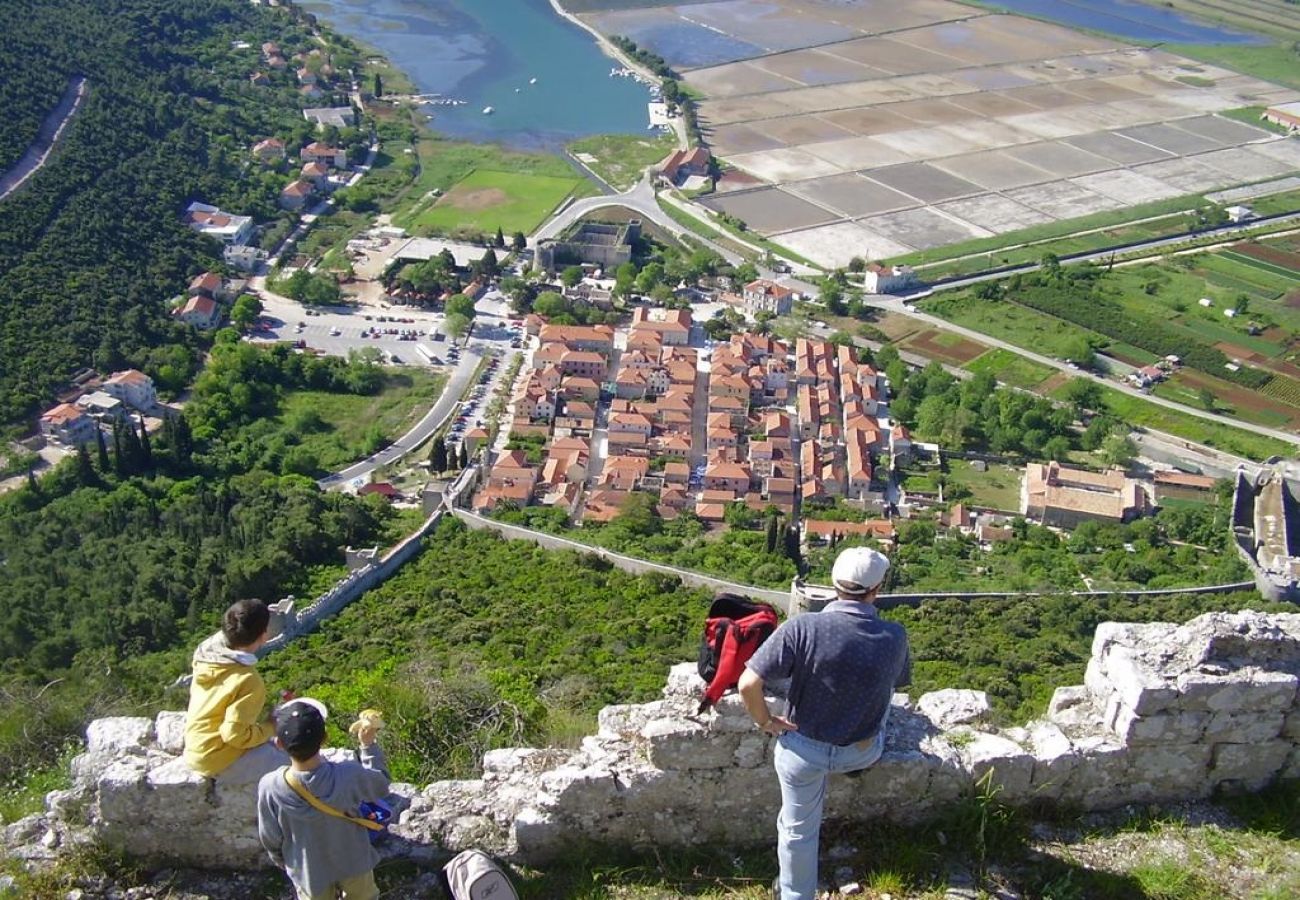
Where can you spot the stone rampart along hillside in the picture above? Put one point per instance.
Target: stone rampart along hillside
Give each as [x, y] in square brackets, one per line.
[1166, 712]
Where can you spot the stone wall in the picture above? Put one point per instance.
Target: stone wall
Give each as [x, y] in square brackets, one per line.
[1165, 713]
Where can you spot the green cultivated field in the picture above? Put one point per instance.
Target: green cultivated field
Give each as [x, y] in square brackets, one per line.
[486, 200]
[1009, 368]
[1279, 63]
[1017, 325]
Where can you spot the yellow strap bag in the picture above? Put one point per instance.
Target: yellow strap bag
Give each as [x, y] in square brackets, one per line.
[301, 790]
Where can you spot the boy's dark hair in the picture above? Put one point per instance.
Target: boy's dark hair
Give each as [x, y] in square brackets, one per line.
[245, 621]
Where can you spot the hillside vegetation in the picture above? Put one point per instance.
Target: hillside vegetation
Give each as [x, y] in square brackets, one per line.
[93, 246]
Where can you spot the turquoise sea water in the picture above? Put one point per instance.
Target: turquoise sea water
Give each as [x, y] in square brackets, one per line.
[485, 52]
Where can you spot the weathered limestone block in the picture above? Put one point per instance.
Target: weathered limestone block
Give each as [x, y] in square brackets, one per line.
[1161, 728]
[1291, 727]
[517, 760]
[1243, 728]
[1075, 708]
[1098, 773]
[900, 780]
[684, 681]
[1239, 691]
[1292, 767]
[1252, 766]
[952, 707]
[1011, 766]
[1169, 772]
[752, 750]
[169, 731]
[1122, 671]
[684, 744]
[119, 733]
[1054, 758]
[122, 790]
[579, 789]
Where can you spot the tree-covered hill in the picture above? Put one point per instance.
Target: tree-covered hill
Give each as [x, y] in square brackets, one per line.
[93, 246]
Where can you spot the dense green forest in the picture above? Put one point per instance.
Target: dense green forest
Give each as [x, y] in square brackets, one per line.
[480, 642]
[123, 556]
[93, 246]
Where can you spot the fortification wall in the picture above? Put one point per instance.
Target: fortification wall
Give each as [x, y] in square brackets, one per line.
[1165, 713]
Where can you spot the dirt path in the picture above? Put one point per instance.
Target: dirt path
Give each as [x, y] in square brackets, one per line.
[46, 139]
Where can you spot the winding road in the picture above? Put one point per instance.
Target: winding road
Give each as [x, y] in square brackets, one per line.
[46, 138]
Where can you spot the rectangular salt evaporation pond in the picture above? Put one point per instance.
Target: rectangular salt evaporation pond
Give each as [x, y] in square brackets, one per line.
[1132, 20]
[683, 44]
[775, 26]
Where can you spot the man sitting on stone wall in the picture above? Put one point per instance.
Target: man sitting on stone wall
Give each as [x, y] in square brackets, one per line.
[227, 733]
[843, 664]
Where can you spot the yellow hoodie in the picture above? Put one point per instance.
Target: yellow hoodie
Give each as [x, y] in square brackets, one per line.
[225, 717]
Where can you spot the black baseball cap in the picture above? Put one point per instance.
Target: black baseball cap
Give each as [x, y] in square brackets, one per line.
[300, 725]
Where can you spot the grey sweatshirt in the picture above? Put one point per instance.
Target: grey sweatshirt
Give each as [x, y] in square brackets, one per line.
[316, 849]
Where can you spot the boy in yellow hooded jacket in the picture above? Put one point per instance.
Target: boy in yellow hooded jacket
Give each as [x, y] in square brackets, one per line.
[227, 734]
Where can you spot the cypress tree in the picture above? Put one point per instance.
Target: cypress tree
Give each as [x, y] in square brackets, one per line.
[500, 239]
[464, 455]
[772, 531]
[32, 484]
[438, 455]
[102, 447]
[146, 449]
[119, 453]
[85, 471]
[792, 547]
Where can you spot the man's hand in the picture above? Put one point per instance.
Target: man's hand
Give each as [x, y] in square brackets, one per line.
[777, 726]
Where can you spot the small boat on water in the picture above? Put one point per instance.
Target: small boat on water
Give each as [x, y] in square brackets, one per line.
[532, 81]
[487, 110]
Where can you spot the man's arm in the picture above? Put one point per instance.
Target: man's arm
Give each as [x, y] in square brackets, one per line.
[245, 726]
[751, 692]
[905, 674]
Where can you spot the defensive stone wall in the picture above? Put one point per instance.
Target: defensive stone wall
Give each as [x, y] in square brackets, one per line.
[1165, 713]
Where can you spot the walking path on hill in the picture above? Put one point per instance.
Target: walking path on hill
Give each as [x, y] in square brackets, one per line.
[46, 138]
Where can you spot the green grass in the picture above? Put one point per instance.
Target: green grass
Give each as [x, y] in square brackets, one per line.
[1250, 115]
[1277, 63]
[1017, 325]
[1009, 368]
[621, 158]
[998, 487]
[1060, 237]
[339, 429]
[1139, 412]
[485, 200]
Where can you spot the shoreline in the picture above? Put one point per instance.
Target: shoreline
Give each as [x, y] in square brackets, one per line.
[607, 47]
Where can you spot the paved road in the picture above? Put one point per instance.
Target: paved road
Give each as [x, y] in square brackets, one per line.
[897, 304]
[445, 406]
[640, 199]
[46, 138]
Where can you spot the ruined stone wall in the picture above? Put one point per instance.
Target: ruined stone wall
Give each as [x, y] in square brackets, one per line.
[1165, 713]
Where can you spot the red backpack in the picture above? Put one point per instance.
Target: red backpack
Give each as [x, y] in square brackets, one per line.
[736, 627]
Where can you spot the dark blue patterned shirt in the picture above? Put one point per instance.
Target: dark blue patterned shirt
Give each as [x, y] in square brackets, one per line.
[843, 664]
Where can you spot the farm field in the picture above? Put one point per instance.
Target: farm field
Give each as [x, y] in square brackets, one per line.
[1242, 403]
[944, 346]
[1009, 368]
[486, 200]
[1140, 413]
[1014, 324]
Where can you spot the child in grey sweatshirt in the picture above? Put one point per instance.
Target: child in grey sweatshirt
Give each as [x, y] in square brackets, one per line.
[325, 856]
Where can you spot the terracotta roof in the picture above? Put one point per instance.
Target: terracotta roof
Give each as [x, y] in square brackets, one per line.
[62, 414]
[129, 376]
[880, 528]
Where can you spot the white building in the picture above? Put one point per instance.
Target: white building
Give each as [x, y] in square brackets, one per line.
[134, 388]
[878, 279]
[230, 229]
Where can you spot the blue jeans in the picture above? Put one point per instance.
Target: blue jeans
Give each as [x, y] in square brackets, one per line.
[802, 765]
